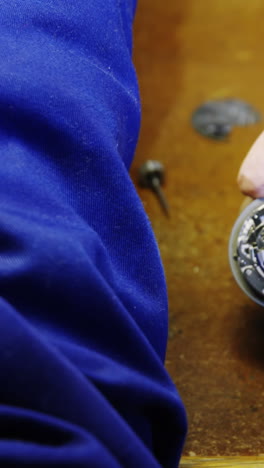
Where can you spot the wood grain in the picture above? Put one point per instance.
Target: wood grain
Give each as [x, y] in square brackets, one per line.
[222, 462]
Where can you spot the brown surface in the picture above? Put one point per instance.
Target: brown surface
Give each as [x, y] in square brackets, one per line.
[222, 462]
[185, 53]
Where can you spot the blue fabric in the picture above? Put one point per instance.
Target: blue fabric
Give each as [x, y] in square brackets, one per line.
[83, 308]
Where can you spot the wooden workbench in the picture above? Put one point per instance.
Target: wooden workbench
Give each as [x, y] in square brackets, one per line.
[187, 52]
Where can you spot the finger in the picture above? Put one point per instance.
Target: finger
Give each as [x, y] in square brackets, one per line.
[251, 173]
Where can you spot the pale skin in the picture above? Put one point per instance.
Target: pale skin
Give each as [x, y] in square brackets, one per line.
[250, 178]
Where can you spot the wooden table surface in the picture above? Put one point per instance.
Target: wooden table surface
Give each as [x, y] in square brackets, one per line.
[187, 52]
[223, 462]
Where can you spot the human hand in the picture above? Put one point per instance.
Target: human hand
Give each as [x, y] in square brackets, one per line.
[251, 173]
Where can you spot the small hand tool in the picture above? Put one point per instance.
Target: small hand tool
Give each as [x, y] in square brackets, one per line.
[151, 175]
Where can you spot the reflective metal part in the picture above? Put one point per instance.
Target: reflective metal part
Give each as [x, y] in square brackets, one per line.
[215, 119]
[151, 175]
[246, 251]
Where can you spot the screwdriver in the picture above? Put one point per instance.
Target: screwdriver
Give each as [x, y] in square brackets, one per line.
[151, 175]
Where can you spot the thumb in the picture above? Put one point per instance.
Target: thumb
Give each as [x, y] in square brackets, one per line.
[250, 178]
